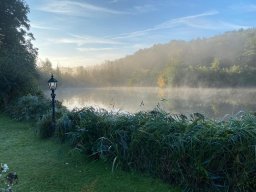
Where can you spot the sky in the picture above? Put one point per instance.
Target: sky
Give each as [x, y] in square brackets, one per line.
[87, 32]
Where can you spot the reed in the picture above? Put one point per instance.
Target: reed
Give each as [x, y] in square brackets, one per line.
[193, 152]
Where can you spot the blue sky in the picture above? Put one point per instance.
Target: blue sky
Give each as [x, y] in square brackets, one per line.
[88, 32]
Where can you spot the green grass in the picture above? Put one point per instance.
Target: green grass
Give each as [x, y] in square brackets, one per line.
[48, 166]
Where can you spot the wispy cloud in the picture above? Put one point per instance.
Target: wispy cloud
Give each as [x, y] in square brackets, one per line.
[43, 27]
[121, 48]
[84, 40]
[77, 8]
[168, 24]
[215, 25]
[232, 26]
[92, 49]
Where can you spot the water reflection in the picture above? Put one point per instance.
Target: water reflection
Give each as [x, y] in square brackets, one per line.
[211, 102]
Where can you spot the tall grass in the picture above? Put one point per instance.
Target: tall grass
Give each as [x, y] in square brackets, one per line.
[196, 153]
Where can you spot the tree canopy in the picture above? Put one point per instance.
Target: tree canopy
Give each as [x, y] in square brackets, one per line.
[17, 55]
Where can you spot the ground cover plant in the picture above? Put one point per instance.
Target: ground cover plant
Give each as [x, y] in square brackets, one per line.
[47, 165]
[193, 152]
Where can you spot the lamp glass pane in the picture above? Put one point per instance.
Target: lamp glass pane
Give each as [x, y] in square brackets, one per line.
[52, 85]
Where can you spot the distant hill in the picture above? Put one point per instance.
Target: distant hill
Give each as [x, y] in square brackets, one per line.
[224, 60]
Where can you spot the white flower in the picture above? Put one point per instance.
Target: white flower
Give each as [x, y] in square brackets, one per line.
[4, 168]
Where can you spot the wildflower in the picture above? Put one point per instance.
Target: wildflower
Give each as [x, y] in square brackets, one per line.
[4, 168]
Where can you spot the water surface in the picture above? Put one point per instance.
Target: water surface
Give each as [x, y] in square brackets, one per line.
[214, 103]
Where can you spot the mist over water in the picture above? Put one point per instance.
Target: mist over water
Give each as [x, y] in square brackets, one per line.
[214, 103]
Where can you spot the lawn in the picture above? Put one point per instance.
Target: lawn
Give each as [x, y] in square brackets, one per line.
[48, 166]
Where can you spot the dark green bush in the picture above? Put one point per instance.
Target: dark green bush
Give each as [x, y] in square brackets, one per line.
[30, 107]
[33, 107]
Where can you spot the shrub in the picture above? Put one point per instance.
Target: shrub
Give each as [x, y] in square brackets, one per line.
[197, 153]
[29, 107]
[45, 127]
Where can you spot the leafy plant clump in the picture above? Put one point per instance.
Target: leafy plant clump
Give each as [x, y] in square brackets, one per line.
[193, 152]
[31, 107]
[7, 179]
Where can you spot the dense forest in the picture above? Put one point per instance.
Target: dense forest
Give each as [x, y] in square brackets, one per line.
[225, 60]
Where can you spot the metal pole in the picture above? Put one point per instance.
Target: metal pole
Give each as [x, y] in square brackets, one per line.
[53, 110]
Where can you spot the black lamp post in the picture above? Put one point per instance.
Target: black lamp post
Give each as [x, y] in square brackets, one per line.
[52, 83]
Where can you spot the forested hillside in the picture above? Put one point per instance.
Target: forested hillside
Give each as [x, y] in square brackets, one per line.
[225, 60]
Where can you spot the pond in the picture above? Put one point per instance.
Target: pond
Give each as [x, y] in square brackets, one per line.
[213, 103]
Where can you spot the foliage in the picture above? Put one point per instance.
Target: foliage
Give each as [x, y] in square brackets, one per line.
[36, 108]
[162, 81]
[17, 55]
[64, 125]
[33, 108]
[226, 60]
[194, 152]
[30, 107]
[44, 126]
[7, 180]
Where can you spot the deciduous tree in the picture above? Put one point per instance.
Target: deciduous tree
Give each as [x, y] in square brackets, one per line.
[17, 54]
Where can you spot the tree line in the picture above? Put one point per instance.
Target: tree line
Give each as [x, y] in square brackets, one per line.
[227, 60]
